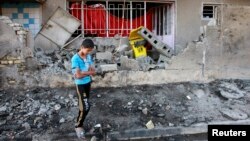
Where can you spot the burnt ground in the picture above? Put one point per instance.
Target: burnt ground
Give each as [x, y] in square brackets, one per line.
[42, 113]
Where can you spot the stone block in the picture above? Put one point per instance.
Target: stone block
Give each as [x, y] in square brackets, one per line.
[11, 58]
[108, 67]
[17, 28]
[17, 62]
[4, 62]
[104, 56]
[150, 125]
[156, 43]
[17, 25]
[22, 32]
[129, 64]
[11, 24]
[11, 62]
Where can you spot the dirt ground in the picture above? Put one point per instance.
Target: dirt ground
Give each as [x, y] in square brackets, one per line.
[40, 113]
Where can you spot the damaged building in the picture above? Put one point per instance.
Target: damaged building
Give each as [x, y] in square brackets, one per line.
[139, 39]
[165, 69]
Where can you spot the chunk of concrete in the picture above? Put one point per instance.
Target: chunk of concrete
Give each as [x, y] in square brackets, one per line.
[108, 67]
[150, 125]
[230, 91]
[162, 59]
[156, 43]
[104, 56]
[199, 93]
[122, 48]
[146, 63]
[129, 64]
[234, 114]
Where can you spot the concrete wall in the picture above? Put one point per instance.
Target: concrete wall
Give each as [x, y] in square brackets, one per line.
[188, 22]
[50, 6]
[189, 19]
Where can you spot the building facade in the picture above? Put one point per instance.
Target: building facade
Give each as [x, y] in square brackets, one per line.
[175, 22]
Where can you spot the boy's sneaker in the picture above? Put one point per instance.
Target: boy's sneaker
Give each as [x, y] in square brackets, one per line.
[80, 133]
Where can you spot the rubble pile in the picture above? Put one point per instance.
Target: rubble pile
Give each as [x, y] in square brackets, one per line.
[44, 112]
[112, 58]
[35, 109]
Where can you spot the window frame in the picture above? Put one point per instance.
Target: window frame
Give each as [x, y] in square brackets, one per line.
[215, 11]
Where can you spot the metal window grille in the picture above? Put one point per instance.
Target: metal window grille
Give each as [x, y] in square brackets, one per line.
[161, 19]
[126, 11]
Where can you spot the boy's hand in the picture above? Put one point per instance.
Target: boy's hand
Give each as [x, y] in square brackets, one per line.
[92, 71]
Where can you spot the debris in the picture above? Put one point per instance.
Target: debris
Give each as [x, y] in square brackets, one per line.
[99, 96]
[59, 27]
[156, 43]
[62, 120]
[188, 97]
[37, 119]
[43, 109]
[98, 126]
[230, 91]
[122, 48]
[163, 60]
[139, 108]
[129, 103]
[129, 64]
[137, 42]
[234, 114]
[170, 124]
[199, 93]
[93, 138]
[2, 122]
[26, 125]
[150, 125]
[145, 111]
[167, 107]
[104, 56]
[57, 107]
[108, 67]
[160, 115]
[3, 109]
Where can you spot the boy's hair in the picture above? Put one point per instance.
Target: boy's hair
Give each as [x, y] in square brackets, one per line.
[88, 43]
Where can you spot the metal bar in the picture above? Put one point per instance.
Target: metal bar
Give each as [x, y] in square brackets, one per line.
[159, 21]
[109, 9]
[119, 16]
[136, 23]
[107, 20]
[145, 14]
[128, 8]
[171, 18]
[131, 15]
[164, 20]
[155, 21]
[82, 17]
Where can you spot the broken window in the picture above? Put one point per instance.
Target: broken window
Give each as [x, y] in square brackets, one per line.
[209, 11]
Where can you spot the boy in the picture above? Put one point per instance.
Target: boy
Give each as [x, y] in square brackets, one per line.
[82, 70]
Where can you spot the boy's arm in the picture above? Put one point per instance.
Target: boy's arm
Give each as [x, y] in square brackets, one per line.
[92, 68]
[80, 74]
[76, 70]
